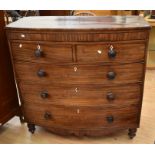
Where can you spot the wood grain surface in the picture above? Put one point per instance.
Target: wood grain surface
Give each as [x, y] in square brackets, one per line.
[81, 22]
[84, 74]
[78, 60]
[8, 95]
[81, 95]
[145, 134]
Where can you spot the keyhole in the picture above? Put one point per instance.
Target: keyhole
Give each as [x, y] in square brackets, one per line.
[78, 111]
[38, 47]
[75, 69]
[111, 47]
[23, 35]
[20, 45]
[76, 90]
[99, 52]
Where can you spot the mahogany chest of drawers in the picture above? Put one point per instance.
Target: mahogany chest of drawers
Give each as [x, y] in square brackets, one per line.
[80, 75]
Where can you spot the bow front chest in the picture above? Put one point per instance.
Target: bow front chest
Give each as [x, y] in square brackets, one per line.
[80, 75]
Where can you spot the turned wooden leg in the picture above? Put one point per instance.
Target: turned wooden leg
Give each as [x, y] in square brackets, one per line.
[31, 127]
[132, 132]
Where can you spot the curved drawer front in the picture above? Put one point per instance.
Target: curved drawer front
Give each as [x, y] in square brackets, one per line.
[81, 95]
[79, 74]
[87, 36]
[81, 117]
[41, 52]
[87, 53]
[111, 52]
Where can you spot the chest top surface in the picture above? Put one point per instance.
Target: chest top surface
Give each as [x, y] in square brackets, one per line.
[80, 22]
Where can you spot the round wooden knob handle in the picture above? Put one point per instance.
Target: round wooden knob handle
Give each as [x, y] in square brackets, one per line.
[110, 119]
[111, 75]
[47, 115]
[44, 94]
[41, 73]
[112, 53]
[110, 96]
[38, 53]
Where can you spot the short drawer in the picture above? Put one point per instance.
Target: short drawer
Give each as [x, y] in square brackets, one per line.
[79, 74]
[81, 117]
[111, 52]
[84, 95]
[42, 52]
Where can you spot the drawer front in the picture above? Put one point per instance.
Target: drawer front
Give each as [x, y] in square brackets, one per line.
[42, 52]
[79, 74]
[81, 117]
[81, 95]
[114, 52]
[88, 36]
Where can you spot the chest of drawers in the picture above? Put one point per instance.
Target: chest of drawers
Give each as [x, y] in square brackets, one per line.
[80, 75]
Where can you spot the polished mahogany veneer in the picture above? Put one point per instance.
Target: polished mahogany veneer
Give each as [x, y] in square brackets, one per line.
[80, 75]
[9, 105]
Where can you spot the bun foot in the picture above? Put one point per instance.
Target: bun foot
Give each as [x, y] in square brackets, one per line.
[132, 133]
[31, 128]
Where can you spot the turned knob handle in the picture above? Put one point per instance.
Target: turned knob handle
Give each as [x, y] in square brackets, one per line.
[111, 75]
[47, 115]
[110, 96]
[110, 119]
[111, 52]
[38, 53]
[44, 94]
[41, 73]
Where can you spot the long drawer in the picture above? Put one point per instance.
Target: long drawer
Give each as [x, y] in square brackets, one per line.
[81, 117]
[77, 36]
[79, 74]
[82, 95]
